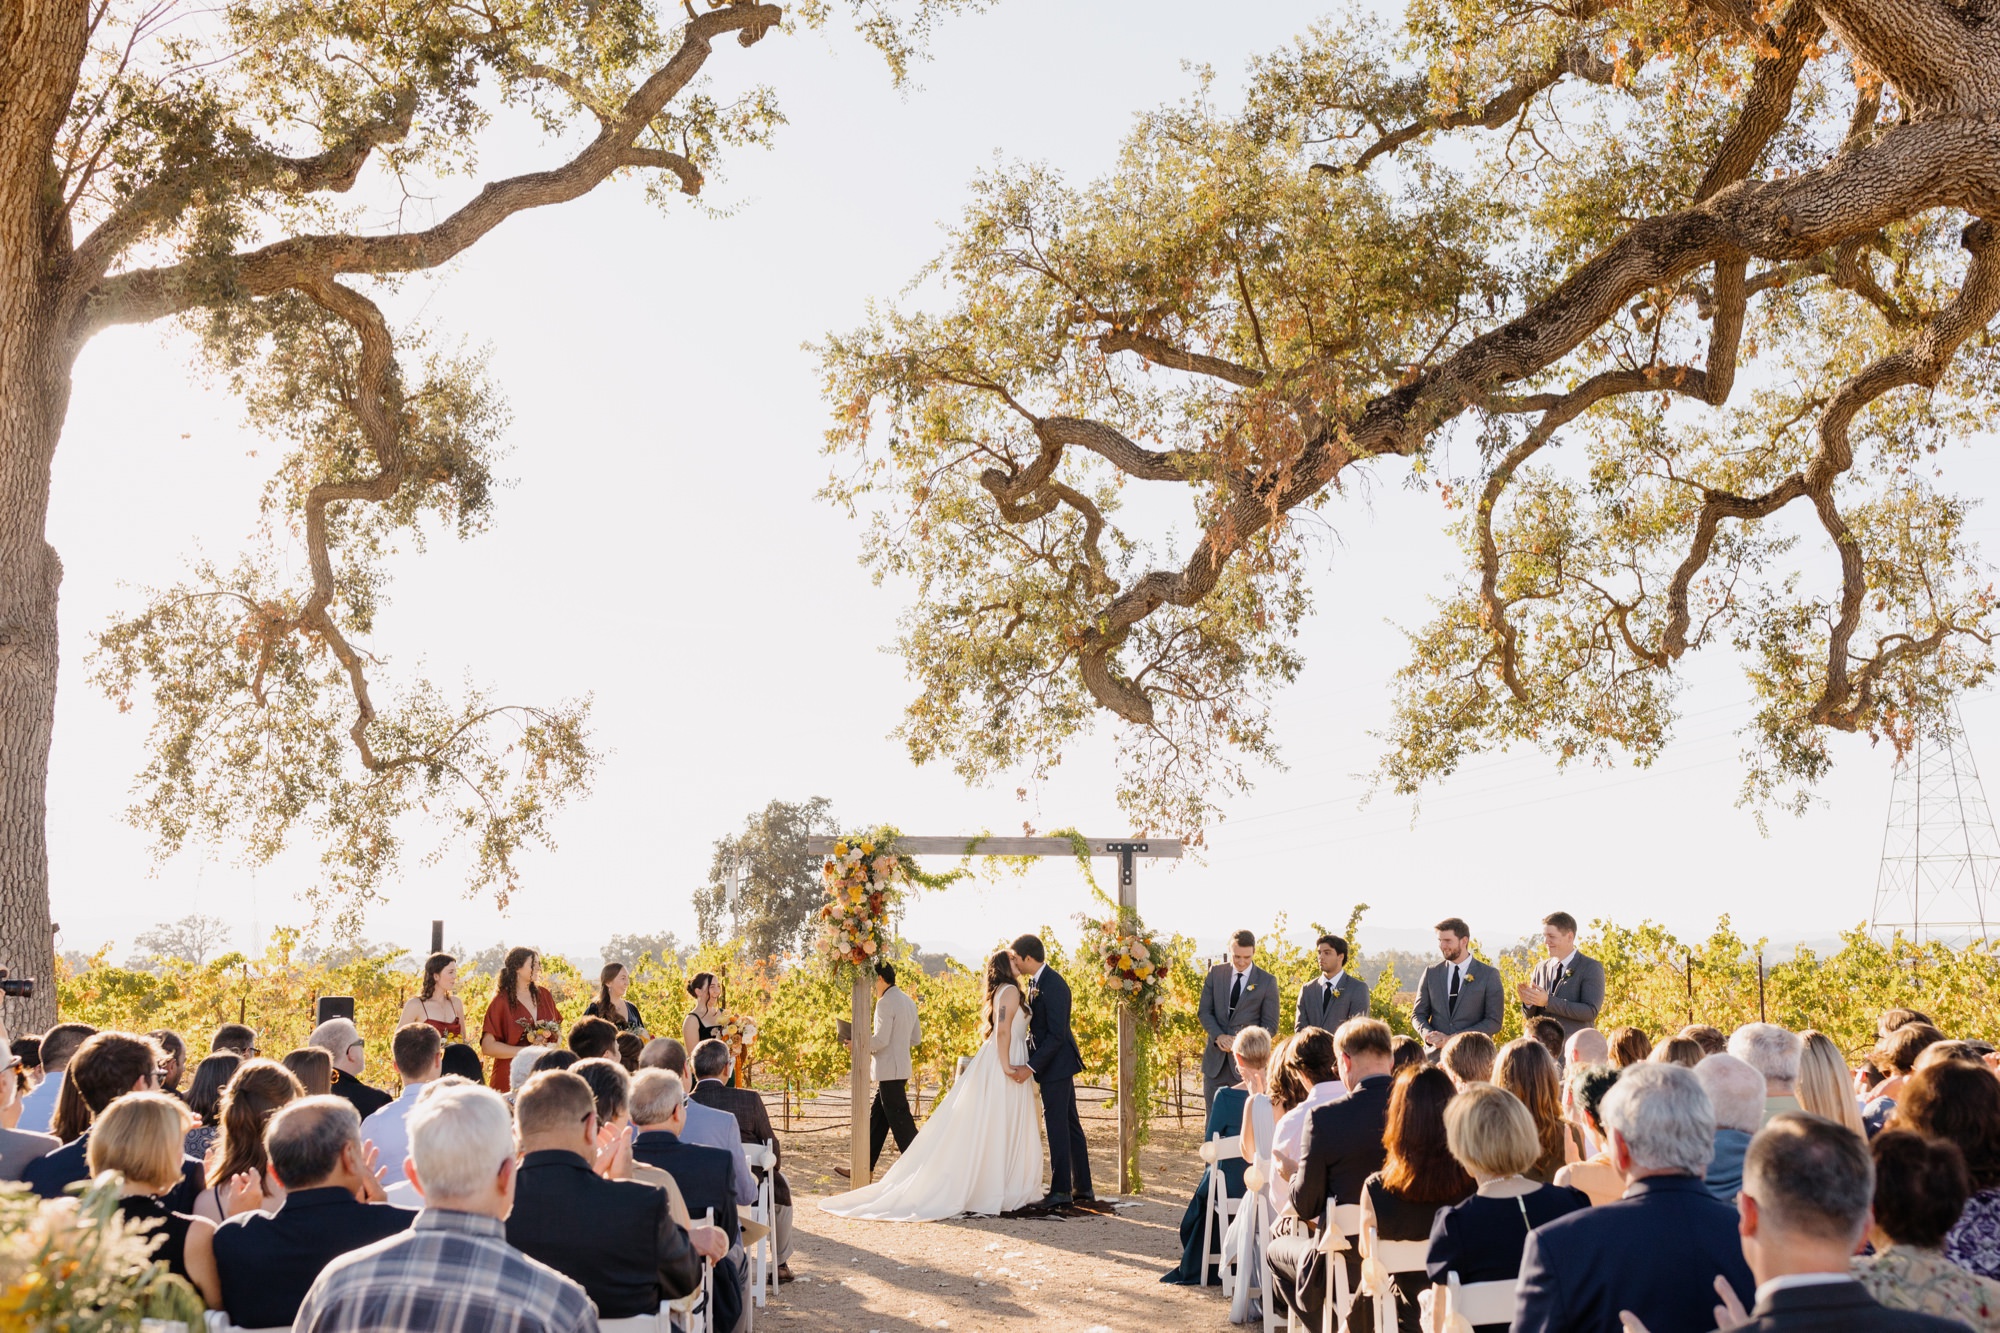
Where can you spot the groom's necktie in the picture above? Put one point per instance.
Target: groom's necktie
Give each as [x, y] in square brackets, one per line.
[1236, 990]
[1451, 1005]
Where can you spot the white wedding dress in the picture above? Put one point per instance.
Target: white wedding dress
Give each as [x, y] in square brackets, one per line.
[980, 1151]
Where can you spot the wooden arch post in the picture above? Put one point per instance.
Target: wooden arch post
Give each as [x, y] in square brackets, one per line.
[1129, 852]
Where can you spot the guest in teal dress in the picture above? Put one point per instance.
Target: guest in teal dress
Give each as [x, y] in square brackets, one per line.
[1252, 1052]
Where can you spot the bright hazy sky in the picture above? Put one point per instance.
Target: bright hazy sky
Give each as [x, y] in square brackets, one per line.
[662, 548]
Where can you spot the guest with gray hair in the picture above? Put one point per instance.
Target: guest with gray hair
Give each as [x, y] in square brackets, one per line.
[341, 1041]
[1657, 1251]
[1774, 1053]
[258, 1266]
[453, 1269]
[1736, 1091]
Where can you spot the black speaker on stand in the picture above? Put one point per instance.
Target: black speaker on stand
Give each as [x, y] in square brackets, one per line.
[333, 1006]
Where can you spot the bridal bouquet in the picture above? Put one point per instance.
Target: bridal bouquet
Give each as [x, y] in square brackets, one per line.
[862, 879]
[1132, 959]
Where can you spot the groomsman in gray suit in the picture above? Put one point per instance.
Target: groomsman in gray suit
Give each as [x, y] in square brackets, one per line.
[1334, 996]
[1566, 986]
[1238, 994]
[1460, 994]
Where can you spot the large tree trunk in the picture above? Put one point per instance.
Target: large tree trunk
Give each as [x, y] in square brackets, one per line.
[41, 43]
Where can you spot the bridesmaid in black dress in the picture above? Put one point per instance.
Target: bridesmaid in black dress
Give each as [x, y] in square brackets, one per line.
[706, 1019]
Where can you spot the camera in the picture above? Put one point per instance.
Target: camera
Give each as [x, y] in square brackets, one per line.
[19, 987]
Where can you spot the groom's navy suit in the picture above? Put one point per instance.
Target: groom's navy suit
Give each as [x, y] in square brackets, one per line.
[1052, 1054]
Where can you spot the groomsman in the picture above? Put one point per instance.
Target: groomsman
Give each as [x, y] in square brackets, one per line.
[1460, 994]
[1238, 994]
[1567, 986]
[1332, 997]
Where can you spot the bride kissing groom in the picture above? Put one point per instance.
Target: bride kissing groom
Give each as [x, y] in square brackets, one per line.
[979, 1151]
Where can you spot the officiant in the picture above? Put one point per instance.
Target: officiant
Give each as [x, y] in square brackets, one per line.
[896, 1032]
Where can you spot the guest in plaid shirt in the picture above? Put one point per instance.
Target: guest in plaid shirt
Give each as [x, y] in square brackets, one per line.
[453, 1270]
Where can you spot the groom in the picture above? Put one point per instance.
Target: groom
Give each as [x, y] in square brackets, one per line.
[1055, 1063]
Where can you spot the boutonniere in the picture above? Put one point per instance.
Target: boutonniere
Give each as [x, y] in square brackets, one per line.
[1468, 972]
[1247, 989]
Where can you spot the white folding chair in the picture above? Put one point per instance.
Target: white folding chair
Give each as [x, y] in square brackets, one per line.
[690, 1314]
[1221, 1208]
[1467, 1305]
[218, 1322]
[638, 1323]
[1339, 1232]
[1274, 1319]
[1381, 1260]
[763, 1255]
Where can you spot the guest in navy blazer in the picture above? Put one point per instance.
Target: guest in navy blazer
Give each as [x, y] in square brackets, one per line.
[1342, 1148]
[1658, 1251]
[258, 1266]
[706, 1176]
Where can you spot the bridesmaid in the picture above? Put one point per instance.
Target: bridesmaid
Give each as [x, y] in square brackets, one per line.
[705, 1020]
[519, 1004]
[438, 1004]
[611, 1004]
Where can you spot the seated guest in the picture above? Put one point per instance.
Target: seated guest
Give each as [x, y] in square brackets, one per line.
[520, 1067]
[612, 1087]
[453, 1268]
[108, 1066]
[553, 1060]
[204, 1098]
[1774, 1053]
[1419, 1176]
[418, 1053]
[1898, 1054]
[1710, 1039]
[59, 1046]
[1586, 1046]
[341, 1041]
[1807, 1184]
[1920, 1189]
[613, 1236]
[1960, 1104]
[1526, 1070]
[313, 1068]
[705, 1176]
[592, 1038]
[713, 1065]
[705, 1125]
[1492, 1136]
[175, 1069]
[1894, 1020]
[1468, 1057]
[18, 1147]
[1825, 1087]
[1683, 1051]
[236, 1037]
[1405, 1053]
[1251, 1051]
[462, 1061]
[139, 1137]
[258, 1090]
[1736, 1095]
[630, 1044]
[1657, 1251]
[1549, 1033]
[1316, 1061]
[1596, 1175]
[258, 1266]
[1968, 1052]
[1629, 1046]
[1341, 1148]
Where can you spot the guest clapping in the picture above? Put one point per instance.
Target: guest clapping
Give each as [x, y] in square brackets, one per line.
[1492, 1136]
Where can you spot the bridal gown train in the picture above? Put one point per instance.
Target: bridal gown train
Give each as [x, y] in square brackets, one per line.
[980, 1151]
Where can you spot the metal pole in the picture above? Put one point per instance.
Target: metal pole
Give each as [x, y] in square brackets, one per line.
[1760, 987]
[1690, 981]
[437, 937]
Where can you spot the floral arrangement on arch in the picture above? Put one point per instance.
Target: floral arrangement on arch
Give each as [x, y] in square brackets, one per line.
[863, 880]
[1131, 960]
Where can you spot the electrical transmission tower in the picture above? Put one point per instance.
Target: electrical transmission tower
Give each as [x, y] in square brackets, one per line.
[1940, 850]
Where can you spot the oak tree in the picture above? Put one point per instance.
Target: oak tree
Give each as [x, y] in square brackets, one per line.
[1672, 304]
[214, 165]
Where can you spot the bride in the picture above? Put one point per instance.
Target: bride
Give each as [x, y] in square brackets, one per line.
[981, 1149]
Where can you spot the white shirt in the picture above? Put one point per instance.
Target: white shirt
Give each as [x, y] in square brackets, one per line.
[1332, 981]
[1563, 963]
[389, 1130]
[1035, 981]
[1291, 1132]
[1791, 1280]
[38, 1108]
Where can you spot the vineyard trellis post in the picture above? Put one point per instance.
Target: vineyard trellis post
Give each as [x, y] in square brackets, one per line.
[1129, 852]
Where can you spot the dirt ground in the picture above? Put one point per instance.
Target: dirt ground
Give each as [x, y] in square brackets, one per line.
[1092, 1274]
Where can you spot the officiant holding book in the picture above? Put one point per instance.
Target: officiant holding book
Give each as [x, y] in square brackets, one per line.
[897, 1031]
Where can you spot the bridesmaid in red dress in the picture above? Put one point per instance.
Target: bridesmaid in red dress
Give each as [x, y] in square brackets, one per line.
[438, 1003]
[516, 1019]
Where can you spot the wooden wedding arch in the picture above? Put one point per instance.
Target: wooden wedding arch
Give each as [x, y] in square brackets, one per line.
[1129, 852]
